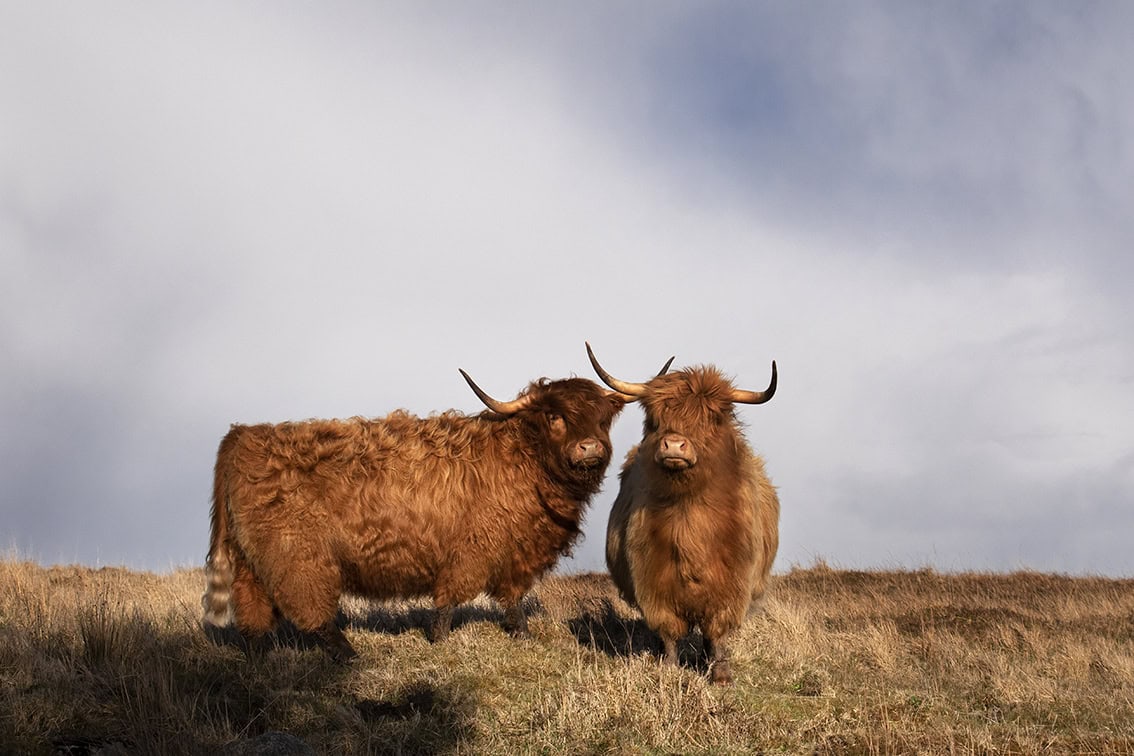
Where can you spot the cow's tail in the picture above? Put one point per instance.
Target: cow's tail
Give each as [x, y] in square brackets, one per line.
[219, 572]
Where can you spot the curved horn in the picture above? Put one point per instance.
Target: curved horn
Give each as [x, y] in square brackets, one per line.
[622, 387]
[756, 397]
[503, 408]
[627, 398]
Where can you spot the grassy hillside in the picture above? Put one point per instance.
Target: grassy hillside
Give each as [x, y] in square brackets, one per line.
[114, 661]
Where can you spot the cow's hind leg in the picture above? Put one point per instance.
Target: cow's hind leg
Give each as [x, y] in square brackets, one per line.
[252, 608]
[308, 595]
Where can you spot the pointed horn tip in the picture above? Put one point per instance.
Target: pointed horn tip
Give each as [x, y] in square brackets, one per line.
[497, 406]
[480, 393]
[743, 396]
[623, 387]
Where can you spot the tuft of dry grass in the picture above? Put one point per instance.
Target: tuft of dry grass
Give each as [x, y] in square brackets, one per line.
[113, 661]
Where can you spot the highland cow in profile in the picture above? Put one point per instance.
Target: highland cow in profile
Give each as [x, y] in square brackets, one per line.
[695, 527]
[447, 506]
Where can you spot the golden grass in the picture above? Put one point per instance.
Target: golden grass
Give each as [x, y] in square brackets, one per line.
[114, 661]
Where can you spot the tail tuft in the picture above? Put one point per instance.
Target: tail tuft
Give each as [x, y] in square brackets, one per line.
[218, 591]
[219, 569]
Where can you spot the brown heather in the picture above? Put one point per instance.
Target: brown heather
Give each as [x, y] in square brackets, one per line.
[112, 661]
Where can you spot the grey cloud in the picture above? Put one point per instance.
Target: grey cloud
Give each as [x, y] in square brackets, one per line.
[213, 214]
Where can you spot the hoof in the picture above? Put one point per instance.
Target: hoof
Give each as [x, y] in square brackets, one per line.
[721, 674]
[441, 625]
[515, 622]
[345, 657]
[519, 633]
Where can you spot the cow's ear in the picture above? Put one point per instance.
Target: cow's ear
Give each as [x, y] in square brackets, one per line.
[618, 401]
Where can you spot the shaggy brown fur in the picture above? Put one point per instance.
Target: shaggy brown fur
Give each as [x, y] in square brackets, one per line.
[693, 545]
[447, 506]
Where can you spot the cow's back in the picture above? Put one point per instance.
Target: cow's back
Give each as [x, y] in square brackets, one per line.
[377, 497]
[394, 502]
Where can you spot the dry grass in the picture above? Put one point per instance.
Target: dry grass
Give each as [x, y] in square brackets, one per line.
[114, 661]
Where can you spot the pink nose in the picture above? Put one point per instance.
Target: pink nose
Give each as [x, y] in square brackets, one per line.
[590, 448]
[588, 453]
[676, 452]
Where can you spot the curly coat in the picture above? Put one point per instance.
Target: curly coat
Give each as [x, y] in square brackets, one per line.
[693, 547]
[447, 506]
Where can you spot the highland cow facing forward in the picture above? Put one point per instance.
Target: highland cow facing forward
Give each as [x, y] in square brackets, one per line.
[447, 506]
[694, 529]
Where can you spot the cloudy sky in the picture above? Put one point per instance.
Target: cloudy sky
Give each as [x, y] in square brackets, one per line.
[216, 212]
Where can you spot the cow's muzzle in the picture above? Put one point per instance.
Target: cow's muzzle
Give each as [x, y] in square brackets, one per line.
[588, 453]
[675, 452]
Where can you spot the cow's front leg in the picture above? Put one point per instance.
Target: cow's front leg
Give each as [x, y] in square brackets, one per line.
[669, 647]
[720, 671]
[516, 621]
[442, 623]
